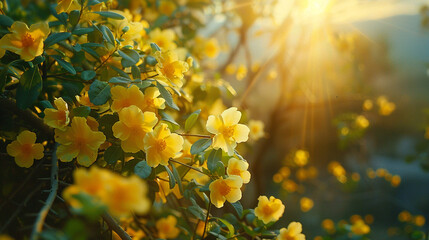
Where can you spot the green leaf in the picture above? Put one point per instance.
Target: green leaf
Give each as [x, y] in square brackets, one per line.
[46, 104]
[151, 60]
[30, 86]
[142, 169]
[66, 65]
[167, 96]
[144, 84]
[129, 57]
[55, 38]
[215, 156]
[112, 15]
[120, 80]
[191, 120]
[230, 227]
[155, 47]
[113, 154]
[82, 31]
[99, 92]
[166, 117]
[88, 75]
[171, 177]
[238, 208]
[82, 111]
[107, 34]
[6, 21]
[135, 71]
[121, 73]
[177, 177]
[201, 145]
[74, 17]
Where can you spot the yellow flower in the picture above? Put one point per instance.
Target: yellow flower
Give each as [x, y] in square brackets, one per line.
[386, 107]
[167, 227]
[24, 41]
[67, 6]
[170, 68]
[301, 157]
[419, 220]
[256, 129]
[161, 145]
[25, 149]
[360, 228]
[362, 122]
[164, 188]
[367, 105]
[132, 127]
[241, 72]
[79, 141]
[121, 195]
[163, 38]
[151, 102]
[238, 168]
[227, 130]
[306, 204]
[126, 195]
[167, 7]
[404, 216]
[328, 225]
[292, 232]
[124, 97]
[57, 118]
[227, 189]
[208, 47]
[269, 210]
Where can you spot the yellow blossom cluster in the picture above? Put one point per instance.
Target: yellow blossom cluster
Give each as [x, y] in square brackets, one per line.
[395, 180]
[121, 195]
[418, 220]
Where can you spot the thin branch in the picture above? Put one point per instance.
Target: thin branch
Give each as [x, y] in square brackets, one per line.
[188, 166]
[115, 226]
[27, 115]
[194, 135]
[38, 226]
[207, 219]
[20, 207]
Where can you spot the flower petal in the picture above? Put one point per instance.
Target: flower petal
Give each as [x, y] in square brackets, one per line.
[231, 116]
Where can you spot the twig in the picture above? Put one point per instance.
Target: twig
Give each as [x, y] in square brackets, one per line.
[194, 135]
[207, 218]
[27, 115]
[186, 165]
[20, 207]
[51, 198]
[115, 226]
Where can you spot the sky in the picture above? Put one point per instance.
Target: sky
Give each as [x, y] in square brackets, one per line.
[349, 11]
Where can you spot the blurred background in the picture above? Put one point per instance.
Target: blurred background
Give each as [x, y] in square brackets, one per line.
[336, 96]
[342, 90]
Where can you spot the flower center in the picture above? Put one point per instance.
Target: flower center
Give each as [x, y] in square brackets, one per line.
[168, 70]
[27, 149]
[27, 40]
[224, 189]
[149, 102]
[160, 145]
[267, 210]
[228, 132]
[236, 171]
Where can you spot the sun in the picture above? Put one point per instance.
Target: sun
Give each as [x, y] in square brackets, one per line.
[316, 7]
[306, 10]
